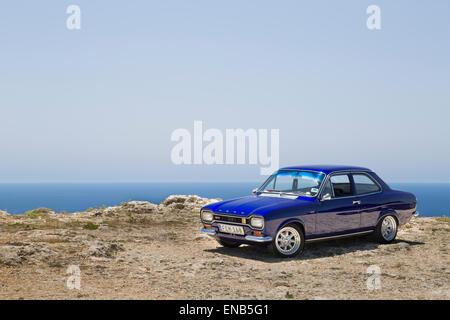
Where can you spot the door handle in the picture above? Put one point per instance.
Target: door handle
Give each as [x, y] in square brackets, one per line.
[357, 202]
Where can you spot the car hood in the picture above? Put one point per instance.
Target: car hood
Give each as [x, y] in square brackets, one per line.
[257, 204]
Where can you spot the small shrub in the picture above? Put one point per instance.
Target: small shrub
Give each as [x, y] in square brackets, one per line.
[132, 220]
[103, 207]
[21, 225]
[125, 204]
[289, 295]
[73, 224]
[32, 214]
[179, 206]
[55, 264]
[43, 210]
[91, 226]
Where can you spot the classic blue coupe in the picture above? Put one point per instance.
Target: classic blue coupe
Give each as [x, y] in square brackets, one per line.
[310, 203]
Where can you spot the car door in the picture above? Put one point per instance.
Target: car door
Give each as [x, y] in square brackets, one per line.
[341, 212]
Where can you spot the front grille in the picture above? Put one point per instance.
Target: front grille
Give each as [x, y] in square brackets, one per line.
[244, 221]
[229, 219]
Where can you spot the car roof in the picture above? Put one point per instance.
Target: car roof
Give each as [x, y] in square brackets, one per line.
[327, 168]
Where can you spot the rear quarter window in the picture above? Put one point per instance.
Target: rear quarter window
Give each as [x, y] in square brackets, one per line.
[364, 184]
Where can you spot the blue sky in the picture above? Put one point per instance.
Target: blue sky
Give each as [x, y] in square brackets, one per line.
[100, 103]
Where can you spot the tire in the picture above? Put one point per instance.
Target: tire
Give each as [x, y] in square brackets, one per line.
[386, 230]
[229, 244]
[288, 242]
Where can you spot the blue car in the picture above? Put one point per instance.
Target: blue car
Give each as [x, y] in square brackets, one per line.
[310, 203]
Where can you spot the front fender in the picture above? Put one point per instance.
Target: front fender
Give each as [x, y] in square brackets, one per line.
[291, 220]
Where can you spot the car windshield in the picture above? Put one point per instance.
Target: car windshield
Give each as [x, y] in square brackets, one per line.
[302, 183]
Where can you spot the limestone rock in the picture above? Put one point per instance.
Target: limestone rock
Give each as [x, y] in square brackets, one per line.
[104, 250]
[185, 202]
[139, 206]
[9, 256]
[3, 213]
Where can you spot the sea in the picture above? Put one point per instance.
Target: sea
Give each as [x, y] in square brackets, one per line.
[17, 198]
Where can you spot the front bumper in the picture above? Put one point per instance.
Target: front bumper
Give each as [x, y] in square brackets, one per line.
[210, 232]
[246, 238]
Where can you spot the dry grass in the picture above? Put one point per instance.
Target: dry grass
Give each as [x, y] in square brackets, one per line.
[443, 219]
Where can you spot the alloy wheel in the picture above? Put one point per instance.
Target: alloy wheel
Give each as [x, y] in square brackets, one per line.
[288, 240]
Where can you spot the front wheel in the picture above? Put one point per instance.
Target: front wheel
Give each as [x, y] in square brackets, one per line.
[288, 242]
[386, 230]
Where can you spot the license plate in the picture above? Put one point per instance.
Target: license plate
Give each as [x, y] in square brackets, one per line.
[231, 229]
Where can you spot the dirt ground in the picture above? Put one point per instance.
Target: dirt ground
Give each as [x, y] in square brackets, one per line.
[143, 251]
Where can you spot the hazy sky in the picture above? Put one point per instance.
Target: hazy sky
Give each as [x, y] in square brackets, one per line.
[100, 103]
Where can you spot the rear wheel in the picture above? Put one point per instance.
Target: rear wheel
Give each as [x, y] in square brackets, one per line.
[229, 244]
[289, 241]
[386, 230]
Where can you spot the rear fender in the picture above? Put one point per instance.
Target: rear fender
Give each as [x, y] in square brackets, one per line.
[389, 212]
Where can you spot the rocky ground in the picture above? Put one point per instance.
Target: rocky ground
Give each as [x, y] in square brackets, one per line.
[141, 250]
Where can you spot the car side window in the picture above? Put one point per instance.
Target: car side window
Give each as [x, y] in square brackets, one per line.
[364, 184]
[327, 189]
[342, 186]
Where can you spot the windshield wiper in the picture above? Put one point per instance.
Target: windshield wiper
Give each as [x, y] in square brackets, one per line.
[281, 193]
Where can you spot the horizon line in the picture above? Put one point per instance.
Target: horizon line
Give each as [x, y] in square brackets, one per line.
[180, 181]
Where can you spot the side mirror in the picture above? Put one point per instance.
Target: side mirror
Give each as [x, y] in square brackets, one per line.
[254, 191]
[325, 197]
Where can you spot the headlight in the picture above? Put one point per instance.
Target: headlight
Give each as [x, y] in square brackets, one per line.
[257, 222]
[207, 216]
